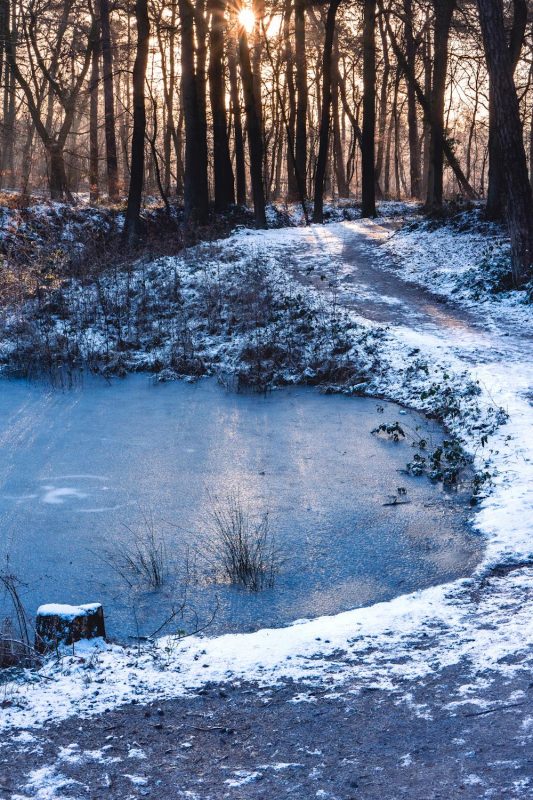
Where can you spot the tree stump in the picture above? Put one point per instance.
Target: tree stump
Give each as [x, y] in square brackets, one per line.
[63, 625]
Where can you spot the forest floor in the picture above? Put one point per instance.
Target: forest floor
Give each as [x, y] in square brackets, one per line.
[427, 696]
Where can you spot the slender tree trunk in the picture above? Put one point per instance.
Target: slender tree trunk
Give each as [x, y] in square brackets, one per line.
[240, 167]
[200, 27]
[123, 90]
[256, 53]
[427, 120]
[132, 223]
[195, 185]
[168, 50]
[396, 123]
[109, 104]
[255, 137]
[412, 120]
[27, 159]
[382, 119]
[443, 17]
[323, 147]
[223, 172]
[531, 144]
[369, 110]
[510, 139]
[472, 132]
[180, 168]
[301, 93]
[292, 181]
[338, 149]
[388, 149]
[93, 126]
[8, 133]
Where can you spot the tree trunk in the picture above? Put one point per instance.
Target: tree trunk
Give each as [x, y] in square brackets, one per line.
[200, 28]
[382, 119]
[240, 167]
[223, 173]
[27, 160]
[338, 148]
[93, 126]
[59, 189]
[255, 136]
[109, 104]
[301, 93]
[8, 132]
[494, 208]
[292, 180]
[180, 169]
[412, 120]
[396, 125]
[510, 139]
[369, 110]
[427, 120]
[443, 17]
[132, 223]
[496, 179]
[258, 7]
[195, 183]
[321, 164]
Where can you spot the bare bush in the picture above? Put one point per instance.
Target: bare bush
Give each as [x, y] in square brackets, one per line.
[143, 558]
[242, 549]
[16, 648]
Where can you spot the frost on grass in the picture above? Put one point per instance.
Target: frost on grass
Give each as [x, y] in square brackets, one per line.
[463, 257]
[221, 309]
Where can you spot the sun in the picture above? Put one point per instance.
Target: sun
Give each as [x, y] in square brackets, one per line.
[246, 19]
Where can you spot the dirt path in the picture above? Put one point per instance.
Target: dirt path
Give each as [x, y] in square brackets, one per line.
[290, 742]
[354, 265]
[362, 284]
[458, 733]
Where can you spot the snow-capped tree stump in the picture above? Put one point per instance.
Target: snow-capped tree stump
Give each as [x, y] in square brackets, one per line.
[63, 625]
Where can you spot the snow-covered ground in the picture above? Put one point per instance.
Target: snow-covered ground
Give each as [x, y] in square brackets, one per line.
[469, 266]
[478, 379]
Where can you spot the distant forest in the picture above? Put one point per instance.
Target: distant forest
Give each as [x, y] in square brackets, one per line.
[212, 103]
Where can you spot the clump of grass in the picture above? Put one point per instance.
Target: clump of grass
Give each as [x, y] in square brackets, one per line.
[242, 548]
[16, 647]
[143, 557]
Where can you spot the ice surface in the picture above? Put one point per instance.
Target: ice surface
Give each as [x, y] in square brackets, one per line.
[133, 448]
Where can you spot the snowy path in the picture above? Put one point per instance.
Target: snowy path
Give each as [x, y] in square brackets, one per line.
[435, 662]
[353, 261]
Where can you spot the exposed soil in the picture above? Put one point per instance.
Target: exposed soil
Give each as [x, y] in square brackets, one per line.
[241, 742]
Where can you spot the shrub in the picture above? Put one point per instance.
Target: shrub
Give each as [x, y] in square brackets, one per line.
[242, 549]
[16, 648]
[143, 558]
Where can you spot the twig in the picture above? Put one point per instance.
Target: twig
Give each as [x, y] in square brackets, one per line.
[492, 710]
[210, 728]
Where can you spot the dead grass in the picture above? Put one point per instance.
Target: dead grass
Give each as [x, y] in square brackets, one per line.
[241, 547]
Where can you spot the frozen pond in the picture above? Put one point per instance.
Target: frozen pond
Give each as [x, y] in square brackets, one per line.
[80, 467]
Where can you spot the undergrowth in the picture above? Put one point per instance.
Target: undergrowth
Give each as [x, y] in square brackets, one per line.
[230, 310]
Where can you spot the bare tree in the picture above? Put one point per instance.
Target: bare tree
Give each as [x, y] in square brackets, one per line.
[132, 223]
[510, 139]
